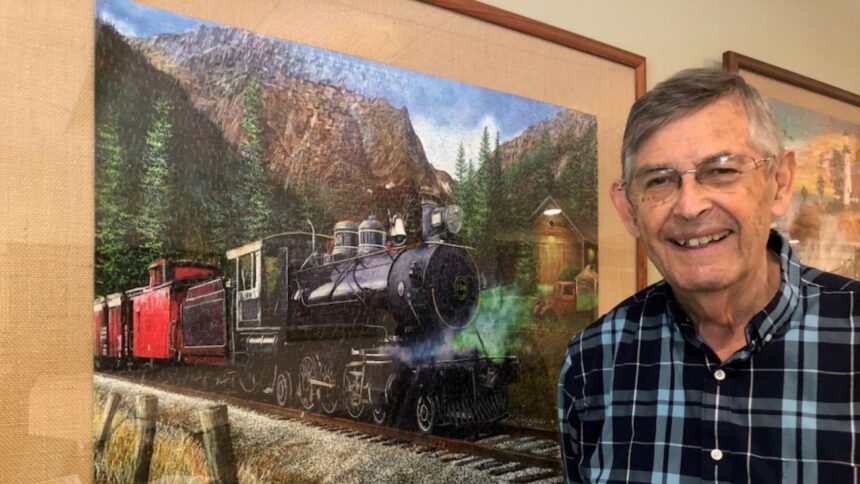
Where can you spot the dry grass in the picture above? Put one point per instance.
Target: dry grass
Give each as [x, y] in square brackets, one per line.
[178, 454]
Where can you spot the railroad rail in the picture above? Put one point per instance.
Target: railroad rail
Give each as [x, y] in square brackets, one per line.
[511, 450]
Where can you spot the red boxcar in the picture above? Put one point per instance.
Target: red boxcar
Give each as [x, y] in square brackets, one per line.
[118, 315]
[110, 329]
[99, 329]
[156, 309]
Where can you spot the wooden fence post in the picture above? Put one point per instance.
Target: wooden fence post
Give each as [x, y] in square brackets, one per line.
[219, 447]
[108, 412]
[147, 410]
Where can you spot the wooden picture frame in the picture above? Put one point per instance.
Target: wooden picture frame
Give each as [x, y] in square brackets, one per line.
[47, 245]
[334, 122]
[821, 124]
[739, 63]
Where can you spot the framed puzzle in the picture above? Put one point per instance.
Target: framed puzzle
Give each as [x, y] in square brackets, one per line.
[390, 213]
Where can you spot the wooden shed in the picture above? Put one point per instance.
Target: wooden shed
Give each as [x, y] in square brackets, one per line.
[559, 241]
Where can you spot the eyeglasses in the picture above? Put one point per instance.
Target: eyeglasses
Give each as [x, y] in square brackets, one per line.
[656, 185]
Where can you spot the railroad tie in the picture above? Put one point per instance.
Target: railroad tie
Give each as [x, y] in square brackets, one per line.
[452, 457]
[468, 460]
[489, 464]
[534, 477]
[507, 469]
[494, 439]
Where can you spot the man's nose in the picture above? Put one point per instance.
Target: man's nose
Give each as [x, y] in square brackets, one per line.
[692, 198]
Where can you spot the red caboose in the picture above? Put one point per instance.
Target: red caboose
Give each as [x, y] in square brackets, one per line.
[156, 309]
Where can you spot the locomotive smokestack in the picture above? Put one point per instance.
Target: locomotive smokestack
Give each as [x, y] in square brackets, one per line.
[428, 204]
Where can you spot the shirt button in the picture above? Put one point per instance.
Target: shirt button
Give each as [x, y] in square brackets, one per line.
[720, 375]
[717, 454]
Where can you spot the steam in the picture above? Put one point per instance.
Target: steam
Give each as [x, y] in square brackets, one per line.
[499, 314]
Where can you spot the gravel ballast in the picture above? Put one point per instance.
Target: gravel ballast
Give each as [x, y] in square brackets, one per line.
[311, 453]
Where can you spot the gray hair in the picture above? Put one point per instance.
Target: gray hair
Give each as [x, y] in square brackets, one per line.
[687, 92]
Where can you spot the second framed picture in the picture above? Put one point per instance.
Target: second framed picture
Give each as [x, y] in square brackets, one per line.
[821, 124]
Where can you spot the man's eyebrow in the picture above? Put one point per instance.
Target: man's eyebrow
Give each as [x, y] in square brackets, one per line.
[652, 167]
[664, 165]
[714, 156]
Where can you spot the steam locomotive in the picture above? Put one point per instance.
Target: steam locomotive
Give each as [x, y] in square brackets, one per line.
[359, 322]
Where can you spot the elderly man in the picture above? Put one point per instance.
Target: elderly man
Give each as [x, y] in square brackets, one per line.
[740, 365]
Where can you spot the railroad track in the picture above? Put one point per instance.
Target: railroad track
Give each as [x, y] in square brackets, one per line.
[514, 454]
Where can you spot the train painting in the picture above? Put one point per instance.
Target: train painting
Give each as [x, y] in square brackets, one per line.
[313, 229]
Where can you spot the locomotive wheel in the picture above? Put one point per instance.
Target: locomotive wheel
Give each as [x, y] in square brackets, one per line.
[383, 401]
[380, 414]
[328, 396]
[283, 388]
[247, 379]
[305, 387]
[352, 395]
[426, 413]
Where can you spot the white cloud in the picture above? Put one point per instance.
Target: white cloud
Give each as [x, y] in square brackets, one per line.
[442, 142]
[119, 24]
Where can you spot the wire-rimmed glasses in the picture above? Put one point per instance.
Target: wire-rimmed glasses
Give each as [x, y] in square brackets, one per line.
[658, 184]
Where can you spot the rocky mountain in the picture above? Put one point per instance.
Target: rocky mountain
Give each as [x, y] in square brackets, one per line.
[563, 131]
[312, 128]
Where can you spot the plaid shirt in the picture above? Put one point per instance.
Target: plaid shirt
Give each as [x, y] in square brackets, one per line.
[643, 399]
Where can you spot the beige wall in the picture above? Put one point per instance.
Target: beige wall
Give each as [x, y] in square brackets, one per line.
[819, 39]
[46, 143]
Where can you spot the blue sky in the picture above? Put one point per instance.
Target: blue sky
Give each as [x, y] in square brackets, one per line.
[444, 113]
[799, 123]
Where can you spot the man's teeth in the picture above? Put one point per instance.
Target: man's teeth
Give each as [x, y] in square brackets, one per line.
[700, 241]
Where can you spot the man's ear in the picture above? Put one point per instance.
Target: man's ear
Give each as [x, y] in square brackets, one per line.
[624, 208]
[784, 177]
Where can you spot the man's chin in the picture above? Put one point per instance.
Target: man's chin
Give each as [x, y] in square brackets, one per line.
[702, 283]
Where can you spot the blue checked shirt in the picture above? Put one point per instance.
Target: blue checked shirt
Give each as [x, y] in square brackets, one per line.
[643, 399]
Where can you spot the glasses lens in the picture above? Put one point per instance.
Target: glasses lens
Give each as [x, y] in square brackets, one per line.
[723, 171]
[656, 185]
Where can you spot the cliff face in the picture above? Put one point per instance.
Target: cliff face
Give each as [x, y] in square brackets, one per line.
[562, 130]
[312, 129]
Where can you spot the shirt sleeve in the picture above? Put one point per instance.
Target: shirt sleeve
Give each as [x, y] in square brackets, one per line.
[568, 388]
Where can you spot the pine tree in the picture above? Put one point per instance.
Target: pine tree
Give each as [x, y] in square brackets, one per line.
[462, 191]
[526, 269]
[481, 186]
[488, 203]
[577, 183]
[461, 172]
[255, 192]
[155, 216]
[470, 220]
[113, 251]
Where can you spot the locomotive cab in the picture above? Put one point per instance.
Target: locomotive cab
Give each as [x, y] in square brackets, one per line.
[262, 275]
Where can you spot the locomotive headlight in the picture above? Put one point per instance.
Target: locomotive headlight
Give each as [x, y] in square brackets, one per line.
[454, 218]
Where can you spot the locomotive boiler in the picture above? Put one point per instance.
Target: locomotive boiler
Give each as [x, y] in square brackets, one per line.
[415, 292]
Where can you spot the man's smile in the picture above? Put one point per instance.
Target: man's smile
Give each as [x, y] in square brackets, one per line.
[701, 241]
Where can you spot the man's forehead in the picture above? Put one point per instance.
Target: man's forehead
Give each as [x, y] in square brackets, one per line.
[719, 126]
